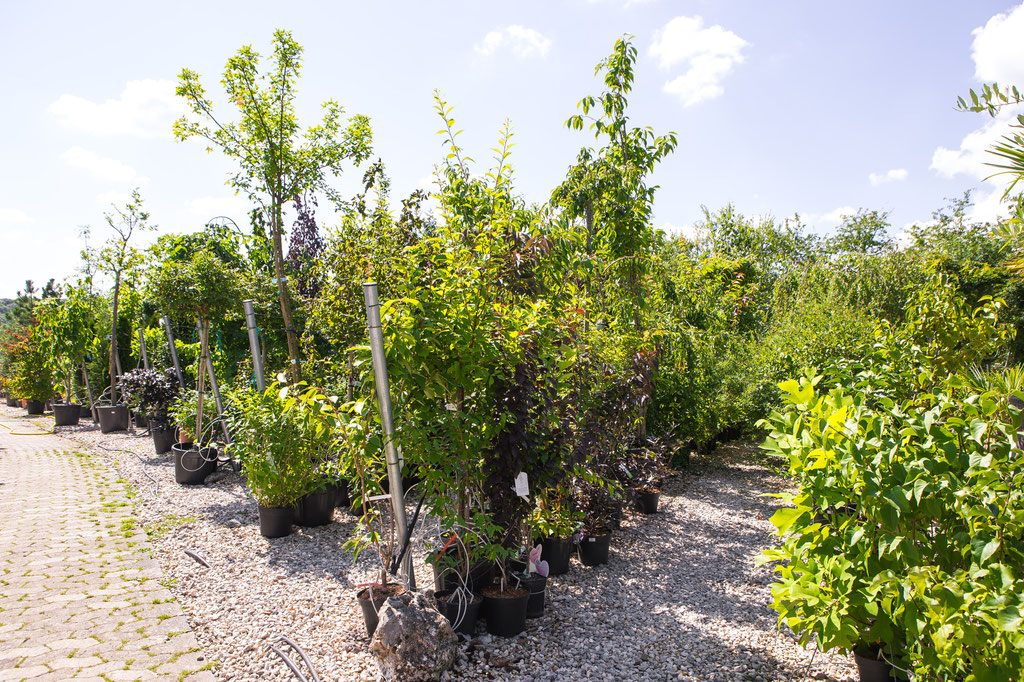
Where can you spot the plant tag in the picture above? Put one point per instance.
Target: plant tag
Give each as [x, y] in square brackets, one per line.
[522, 486]
[591, 539]
[375, 498]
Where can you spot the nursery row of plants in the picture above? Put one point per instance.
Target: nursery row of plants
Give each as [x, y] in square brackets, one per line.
[549, 362]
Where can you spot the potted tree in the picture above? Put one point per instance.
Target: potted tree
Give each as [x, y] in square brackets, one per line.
[200, 287]
[69, 331]
[121, 261]
[151, 393]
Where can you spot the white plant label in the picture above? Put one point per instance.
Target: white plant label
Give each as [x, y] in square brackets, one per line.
[522, 485]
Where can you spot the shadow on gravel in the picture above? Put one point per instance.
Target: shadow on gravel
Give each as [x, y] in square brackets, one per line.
[682, 584]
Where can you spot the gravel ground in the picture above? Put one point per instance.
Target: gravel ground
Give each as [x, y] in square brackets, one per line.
[679, 599]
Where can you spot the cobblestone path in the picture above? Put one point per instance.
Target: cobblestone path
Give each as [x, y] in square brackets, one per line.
[80, 595]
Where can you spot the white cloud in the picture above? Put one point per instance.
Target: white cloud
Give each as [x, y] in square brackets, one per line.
[523, 42]
[145, 108]
[101, 167]
[998, 50]
[998, 54]
[709, 54]
[971, 157]
[688, 232]
[14, 216]
[826, 222]
[894, 175]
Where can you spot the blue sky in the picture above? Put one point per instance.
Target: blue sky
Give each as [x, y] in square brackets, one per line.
[782, 107]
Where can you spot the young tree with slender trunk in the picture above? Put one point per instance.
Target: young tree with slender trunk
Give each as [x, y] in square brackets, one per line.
[277, 161]
[119, 260]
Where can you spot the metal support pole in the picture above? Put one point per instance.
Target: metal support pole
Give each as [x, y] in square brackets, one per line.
[380, 372]
[204, 331]
[142, 349]
[117, 361]
[174, 351]
[254, 345]
[88, 392]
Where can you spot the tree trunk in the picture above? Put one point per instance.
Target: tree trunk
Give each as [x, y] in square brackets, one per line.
[204, 347]
[286, 300]
[113, 340]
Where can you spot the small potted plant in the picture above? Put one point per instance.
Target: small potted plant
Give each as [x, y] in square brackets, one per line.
[33, 380]
[151, 393]
[555, 523]
[505, 602]
[196, 452]
[68, 324]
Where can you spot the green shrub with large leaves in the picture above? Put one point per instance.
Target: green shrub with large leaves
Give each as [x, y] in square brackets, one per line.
[907, 530]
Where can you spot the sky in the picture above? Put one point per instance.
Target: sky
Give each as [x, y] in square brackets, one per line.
[780, 108]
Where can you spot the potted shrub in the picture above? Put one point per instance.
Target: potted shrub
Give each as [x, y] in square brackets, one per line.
[69, 327]
[33, 380]
[555, 523]
[506, 602]
[151, 393]
[274, 435]
[11, 346]
[195, 456]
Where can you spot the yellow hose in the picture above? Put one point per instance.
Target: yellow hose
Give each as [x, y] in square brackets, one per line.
[33, 433]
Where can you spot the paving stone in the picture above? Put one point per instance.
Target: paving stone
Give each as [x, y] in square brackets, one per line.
[73, 583]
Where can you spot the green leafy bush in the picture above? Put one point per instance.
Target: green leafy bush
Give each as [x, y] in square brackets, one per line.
[907, 531]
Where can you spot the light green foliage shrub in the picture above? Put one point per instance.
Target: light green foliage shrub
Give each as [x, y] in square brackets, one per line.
[906, 530]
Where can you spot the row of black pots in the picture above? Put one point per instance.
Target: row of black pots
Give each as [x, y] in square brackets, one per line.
[312, 510]
[505, 612]
[13, 402]
[192, 464]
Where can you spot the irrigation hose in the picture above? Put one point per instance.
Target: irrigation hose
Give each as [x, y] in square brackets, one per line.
[291, 664]
[33, 433]
[408, 534]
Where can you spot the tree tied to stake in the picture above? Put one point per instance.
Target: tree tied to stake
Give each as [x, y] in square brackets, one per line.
[277, 162]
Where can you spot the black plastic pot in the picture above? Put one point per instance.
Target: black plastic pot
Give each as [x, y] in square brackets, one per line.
[35, 407]
[84, 412]
[340, 491]
[506, 611]
[276, 522]
[372, 606]
[113, 418]
[65, 414]
[647, 501]
[163, 438]
[872, 669]
[315, 508]
[594, 549]
[538, 587]
[462, 611]
[13, 402]
[557, 552]
[481, 575]
[193, 464]
[140, 420]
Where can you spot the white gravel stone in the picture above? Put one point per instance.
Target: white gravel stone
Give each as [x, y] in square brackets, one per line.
[680, 598]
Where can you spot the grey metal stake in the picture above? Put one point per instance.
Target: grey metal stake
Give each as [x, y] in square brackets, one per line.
[174, 351]
[117, 361]
[88, 392]
[380, 372]
[205, 331]
[254, 345]
[142, 349]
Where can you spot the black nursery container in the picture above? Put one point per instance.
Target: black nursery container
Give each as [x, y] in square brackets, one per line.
[315, 508]
[594, 549]
[66, 414]
[557, 552]
[506, 611]
[538, 587]
[461, 611]
[35, 407]
[163, 438]
[113, 418]
[647, 501]
[276, 522]
[192, 464]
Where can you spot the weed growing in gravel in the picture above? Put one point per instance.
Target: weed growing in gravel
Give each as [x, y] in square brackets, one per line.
[162, 527]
